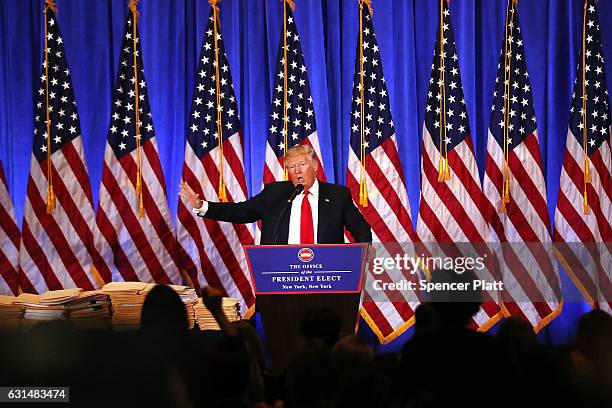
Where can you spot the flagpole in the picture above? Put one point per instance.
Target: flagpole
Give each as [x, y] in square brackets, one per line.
[133, 5]
[443, 169]
[285, 118]
[505, 196]
[221, 191]
[363, 191]
[50, 4]
[587, 176]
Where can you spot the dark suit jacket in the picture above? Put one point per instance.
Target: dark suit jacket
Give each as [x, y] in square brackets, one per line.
[336, 211]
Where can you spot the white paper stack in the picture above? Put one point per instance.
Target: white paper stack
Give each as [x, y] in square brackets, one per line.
[190, 298]
[127, 299]
[90, 310]
[205, 320]
[36, 312]
[11, 314]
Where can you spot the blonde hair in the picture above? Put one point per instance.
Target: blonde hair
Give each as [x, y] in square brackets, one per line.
[300, 149]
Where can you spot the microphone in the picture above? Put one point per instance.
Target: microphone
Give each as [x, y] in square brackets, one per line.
[297, 190]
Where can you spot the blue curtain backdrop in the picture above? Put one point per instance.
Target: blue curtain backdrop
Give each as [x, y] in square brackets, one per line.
[171, 35]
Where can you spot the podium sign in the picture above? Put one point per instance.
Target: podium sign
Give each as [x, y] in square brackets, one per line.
[306, 269]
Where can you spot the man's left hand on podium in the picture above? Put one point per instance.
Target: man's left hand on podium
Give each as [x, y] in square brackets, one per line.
[371, 254]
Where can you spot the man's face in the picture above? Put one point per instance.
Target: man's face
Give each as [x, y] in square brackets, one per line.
[302, 170]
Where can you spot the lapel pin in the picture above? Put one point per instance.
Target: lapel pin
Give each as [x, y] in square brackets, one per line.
[327, 200]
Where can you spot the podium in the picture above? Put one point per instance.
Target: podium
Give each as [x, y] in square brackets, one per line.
[290, 280]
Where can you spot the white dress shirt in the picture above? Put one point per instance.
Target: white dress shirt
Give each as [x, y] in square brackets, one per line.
[295, 219]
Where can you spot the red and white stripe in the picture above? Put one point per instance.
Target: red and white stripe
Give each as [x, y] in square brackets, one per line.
[57, 250]
[591, 264]
[451, 211]
[215, 256]
[137, 248]
[529, 270]
[9, 242]
[388, 213]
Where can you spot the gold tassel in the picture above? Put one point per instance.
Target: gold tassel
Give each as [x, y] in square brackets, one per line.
[507, 188]
[222, 191]
[586, 203]
[141, 210]
[587, 174]
[139, 193]
[138, 183]
[363, 194]
[447, 169]
[50, 199]
[441, 169]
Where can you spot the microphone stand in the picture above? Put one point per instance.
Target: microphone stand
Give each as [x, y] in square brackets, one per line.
[298, 189]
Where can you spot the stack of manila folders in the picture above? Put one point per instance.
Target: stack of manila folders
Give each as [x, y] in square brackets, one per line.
[89, 310]
[86, 310]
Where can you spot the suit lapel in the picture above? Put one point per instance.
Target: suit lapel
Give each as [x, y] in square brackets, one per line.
[324, 206]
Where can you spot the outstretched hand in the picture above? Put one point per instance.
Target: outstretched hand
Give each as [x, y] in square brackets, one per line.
[188, 194]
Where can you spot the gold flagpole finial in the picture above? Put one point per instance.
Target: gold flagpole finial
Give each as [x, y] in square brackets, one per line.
[133, 5]
[368, 3]
[51, 5]
[213, 4]
[291, 4]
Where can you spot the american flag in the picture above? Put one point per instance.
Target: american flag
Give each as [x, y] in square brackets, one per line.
[291, 83]
[515, 188]
[451, 196]
[584, 213]
[215, 247]
[57, 248]
[378, 168]
[136, 234]
[9, 242]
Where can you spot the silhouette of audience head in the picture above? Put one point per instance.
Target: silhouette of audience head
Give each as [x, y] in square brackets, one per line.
[425, 318]
[454, 307]
[163, 312]
[323, 324]
[350, 350]
[516, 333]
[594, 339]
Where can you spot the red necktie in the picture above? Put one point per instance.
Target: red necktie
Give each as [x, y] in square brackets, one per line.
[306, 228]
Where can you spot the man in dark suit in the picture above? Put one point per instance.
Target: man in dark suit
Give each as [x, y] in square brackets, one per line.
[317, 214]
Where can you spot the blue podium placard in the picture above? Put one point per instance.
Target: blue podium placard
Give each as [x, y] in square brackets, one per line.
[301, 269]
